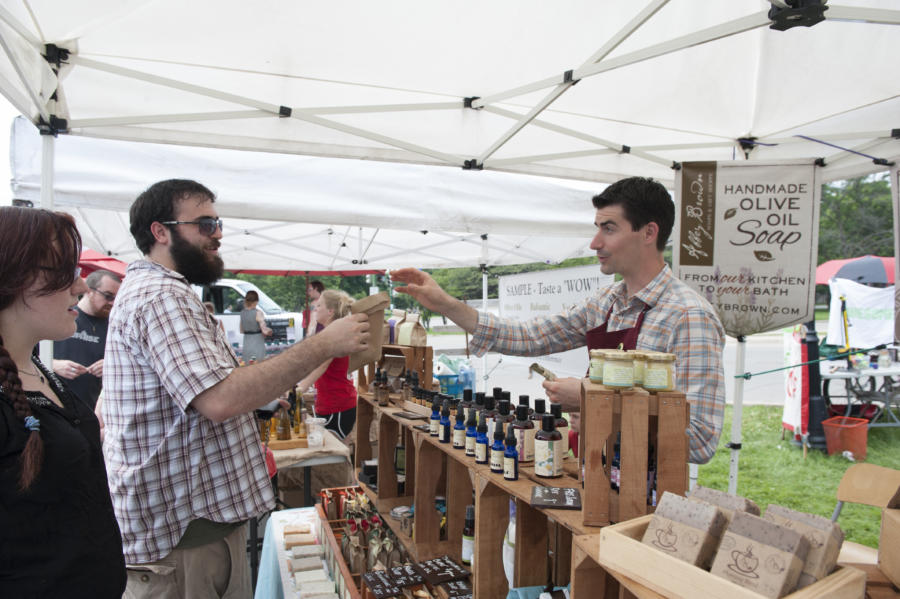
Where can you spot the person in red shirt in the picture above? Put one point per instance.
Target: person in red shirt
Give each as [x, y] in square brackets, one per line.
[335, 390]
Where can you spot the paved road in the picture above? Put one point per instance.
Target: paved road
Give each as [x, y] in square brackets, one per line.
[763, 352]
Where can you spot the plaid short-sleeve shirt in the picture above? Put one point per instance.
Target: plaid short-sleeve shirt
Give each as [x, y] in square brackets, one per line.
[168, 464]
[679, 321]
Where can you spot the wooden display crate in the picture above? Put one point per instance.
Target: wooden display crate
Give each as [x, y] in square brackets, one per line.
[644, 419]
[617, 552]
[330, 537]
[419, 359]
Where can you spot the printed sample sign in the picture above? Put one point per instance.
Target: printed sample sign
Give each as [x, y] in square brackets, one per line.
[381, 584]
[548, 292]
[747, 240]
[561, 498]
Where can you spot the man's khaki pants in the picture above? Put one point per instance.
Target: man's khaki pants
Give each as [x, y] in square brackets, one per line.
[217, 569]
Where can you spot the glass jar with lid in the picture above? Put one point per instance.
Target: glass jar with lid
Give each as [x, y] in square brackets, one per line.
[618, 369]
[640, 364]
[595, 370]
[659, 374]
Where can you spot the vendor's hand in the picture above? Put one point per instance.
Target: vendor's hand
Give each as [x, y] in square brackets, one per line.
[68, 369]
[566, 392]
[347, 335]
[96, 368]
[422, 288]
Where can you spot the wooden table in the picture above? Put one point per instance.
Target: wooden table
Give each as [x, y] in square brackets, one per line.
[869, 385]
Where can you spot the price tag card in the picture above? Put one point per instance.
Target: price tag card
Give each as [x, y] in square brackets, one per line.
[561, 498]
[381, 584]
[406, 576]
[441, 569]
[457, 589]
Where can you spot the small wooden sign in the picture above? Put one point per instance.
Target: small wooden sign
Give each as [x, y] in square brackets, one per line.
[560, 498]
[381, 584]
[441, 569]
[457, 589]
[406, 576]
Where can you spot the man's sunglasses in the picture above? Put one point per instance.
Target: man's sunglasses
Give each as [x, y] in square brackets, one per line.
[207, 225]
[106, 295]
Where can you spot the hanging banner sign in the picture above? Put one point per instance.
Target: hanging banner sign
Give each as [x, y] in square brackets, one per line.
[747, 240]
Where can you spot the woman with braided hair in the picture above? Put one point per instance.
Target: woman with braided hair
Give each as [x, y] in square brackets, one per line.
[59, 535]
[335, 391]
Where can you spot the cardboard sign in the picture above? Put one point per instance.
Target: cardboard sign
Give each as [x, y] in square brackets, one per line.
[406, 576]
[561, 498]
[381, 584]
[747, 240]
[440, 570]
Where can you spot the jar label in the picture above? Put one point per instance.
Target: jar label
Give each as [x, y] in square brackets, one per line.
[657, 378]
[618, 374]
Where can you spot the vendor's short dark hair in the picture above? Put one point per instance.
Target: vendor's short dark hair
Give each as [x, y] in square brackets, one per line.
[644, 201]
[157, 204]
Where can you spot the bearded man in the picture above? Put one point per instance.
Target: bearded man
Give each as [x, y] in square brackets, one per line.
[185, 467]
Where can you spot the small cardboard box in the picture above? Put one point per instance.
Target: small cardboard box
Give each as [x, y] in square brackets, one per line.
[688, 530]
[728, 503]
[824, 536]
[760, 555]
[889, 545]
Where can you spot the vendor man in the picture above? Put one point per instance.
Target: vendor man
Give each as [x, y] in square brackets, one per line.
[648, 309]
[182, 451]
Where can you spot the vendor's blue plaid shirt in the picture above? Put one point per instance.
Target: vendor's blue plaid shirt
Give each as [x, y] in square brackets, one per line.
[168, 464]
[679, 322]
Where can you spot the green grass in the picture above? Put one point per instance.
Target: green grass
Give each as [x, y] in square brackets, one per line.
[772, 470]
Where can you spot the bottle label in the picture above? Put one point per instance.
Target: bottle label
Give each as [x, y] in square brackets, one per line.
[445, 433]
[466, 414]
[564, 444]
[459, 438]
[433, 428]
[490, 424]
[546, 458]
[496, 460]
[510, 468]
[468, 549]
[525, 444]
[480, 453]
[470, 445]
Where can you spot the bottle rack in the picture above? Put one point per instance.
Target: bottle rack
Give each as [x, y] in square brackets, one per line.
[419, 359]
[435, 469]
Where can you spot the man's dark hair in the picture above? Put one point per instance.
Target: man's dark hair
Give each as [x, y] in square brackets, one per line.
[93, 279]
[317, 285]
[644, 201]
[157, 204]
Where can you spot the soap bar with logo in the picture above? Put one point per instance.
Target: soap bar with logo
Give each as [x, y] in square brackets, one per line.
[824, 536]
[728, 503]
[761, 555]
[687, 530]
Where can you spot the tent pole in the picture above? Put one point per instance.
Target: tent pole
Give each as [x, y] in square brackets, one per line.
[735, 444]
[48, 149]
[484, 299]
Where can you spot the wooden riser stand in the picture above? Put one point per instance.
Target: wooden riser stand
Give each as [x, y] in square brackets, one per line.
[419, 359]
[644, 419]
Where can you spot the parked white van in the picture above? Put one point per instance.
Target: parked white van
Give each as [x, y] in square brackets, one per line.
[227, 295]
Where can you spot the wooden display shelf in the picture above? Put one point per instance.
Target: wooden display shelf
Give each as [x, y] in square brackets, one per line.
[616, 556]
[643, 419]
[334, 557]
[419, 359]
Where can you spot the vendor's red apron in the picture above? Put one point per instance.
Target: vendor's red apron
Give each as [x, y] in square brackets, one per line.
[600, 338]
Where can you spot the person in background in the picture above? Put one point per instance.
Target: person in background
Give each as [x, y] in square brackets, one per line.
[186, 470]
[648, 309]
[79, 359]
[253, 326]
[58, 534]
[335, 391]
[211, 308]
[313, 292]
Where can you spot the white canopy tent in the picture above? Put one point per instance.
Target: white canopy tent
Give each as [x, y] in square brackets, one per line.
[296, 213]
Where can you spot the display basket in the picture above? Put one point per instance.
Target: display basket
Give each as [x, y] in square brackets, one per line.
[844, 433]
[450, 384]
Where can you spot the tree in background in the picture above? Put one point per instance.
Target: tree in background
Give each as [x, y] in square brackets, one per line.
[856, 218]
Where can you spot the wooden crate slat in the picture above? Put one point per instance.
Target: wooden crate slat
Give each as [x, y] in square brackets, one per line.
[672, 444]
[633, 454]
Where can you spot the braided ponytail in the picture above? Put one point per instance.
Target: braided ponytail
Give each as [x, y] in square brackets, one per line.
[33, 454]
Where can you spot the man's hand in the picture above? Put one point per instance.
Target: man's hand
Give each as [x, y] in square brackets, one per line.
[347, 335]
[566, 392]
[96, 368]
[68, 369]
[425, 290]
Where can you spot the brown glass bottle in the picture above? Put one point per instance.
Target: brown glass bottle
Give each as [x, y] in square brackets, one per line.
[547, 462]
[524, 430]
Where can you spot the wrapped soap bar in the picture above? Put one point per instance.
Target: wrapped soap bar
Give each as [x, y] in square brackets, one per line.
[311, 590]
[825, 539]
[297, 529]
[309, 577]
[306, 550]
[302, 564]
[302, 539]
[728, 503]
[760, 555]
[688, 530]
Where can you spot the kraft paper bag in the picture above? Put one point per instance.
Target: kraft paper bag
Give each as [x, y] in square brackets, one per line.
[411, 332]
[373, 307]
[389, 335]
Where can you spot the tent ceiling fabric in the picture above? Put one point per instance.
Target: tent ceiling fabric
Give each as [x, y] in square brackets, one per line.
[292, 213]
[672, 80]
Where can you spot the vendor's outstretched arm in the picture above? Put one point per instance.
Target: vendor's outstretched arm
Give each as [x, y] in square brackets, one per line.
[425, 290]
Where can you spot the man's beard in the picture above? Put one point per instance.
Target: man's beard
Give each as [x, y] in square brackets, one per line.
[194, 263]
